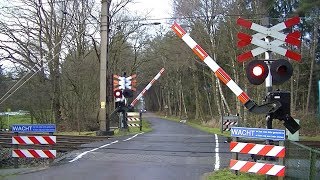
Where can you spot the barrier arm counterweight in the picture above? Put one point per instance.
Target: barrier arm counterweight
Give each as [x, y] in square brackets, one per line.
[223, 76]
[146, 88]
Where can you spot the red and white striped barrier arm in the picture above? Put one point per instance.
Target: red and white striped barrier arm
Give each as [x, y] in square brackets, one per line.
[33, 139]
[258, 149]
[146, 88]
[258, 168]
[31, 153]
[219, 72]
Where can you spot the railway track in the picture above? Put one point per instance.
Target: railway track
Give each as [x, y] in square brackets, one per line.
[64, 142]
[68, 143]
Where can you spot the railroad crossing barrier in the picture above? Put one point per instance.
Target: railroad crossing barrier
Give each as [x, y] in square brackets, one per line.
[33, 140]
[256, 167]
[258, 149]
[229, 121]
[134, 118]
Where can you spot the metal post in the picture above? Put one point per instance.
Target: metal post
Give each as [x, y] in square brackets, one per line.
[281, 160]
[16, 146]
[124, 120]
[104, 123]
[313, 160]
[235, 155]
[222, 124]
[268, 86]
[319, 99]
[140, 123]
[51, 147]
[268, 79]
[8, 122]
[120, 121]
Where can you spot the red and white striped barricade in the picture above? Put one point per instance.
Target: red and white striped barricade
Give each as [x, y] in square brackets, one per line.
[32, 153]
[255, 167]
[257, 149]
[275, 45]
[228, 121]
[259, 168]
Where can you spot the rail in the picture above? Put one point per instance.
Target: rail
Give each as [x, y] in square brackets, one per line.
[64, 142]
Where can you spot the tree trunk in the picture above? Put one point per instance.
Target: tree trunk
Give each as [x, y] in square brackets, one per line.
[224, 101]
[180, 97]
[207, 95]
[215, 82]
[184, 104]
[196, 96]
[313, 58]
[158, 96]
[168, 99]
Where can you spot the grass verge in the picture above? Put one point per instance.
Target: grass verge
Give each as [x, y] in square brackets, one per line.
[146, 127]
[7, 121]
[198, 125]
[226, 174]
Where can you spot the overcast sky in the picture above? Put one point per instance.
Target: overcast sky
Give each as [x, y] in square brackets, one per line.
[159, 9]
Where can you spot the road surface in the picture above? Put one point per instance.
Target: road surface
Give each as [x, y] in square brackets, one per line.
[172, 151]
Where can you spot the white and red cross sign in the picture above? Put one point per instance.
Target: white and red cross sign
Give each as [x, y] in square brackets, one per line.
[275, 45]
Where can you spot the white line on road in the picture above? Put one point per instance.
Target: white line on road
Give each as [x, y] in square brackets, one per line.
[84, 153]
[133, 136]
[217, 164]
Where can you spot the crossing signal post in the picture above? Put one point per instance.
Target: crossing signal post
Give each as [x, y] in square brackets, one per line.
[269, 39]
[123, 89]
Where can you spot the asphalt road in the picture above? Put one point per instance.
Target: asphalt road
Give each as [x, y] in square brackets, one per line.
[172, 151]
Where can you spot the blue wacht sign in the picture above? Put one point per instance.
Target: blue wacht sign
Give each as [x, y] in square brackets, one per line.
[33, 128]
[259, 133]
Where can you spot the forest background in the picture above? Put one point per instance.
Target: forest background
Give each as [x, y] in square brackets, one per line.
[54, 48]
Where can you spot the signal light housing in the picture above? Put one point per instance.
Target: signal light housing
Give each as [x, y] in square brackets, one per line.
[117, 93]
[127, 93]
[281, 71]
[257, 71]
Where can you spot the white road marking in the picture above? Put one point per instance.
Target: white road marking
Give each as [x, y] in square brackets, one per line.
[84, 153]
[217, 164]
[133, 137]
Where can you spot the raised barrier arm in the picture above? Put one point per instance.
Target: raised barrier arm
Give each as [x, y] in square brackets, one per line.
[146, 88]
[223, 76]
